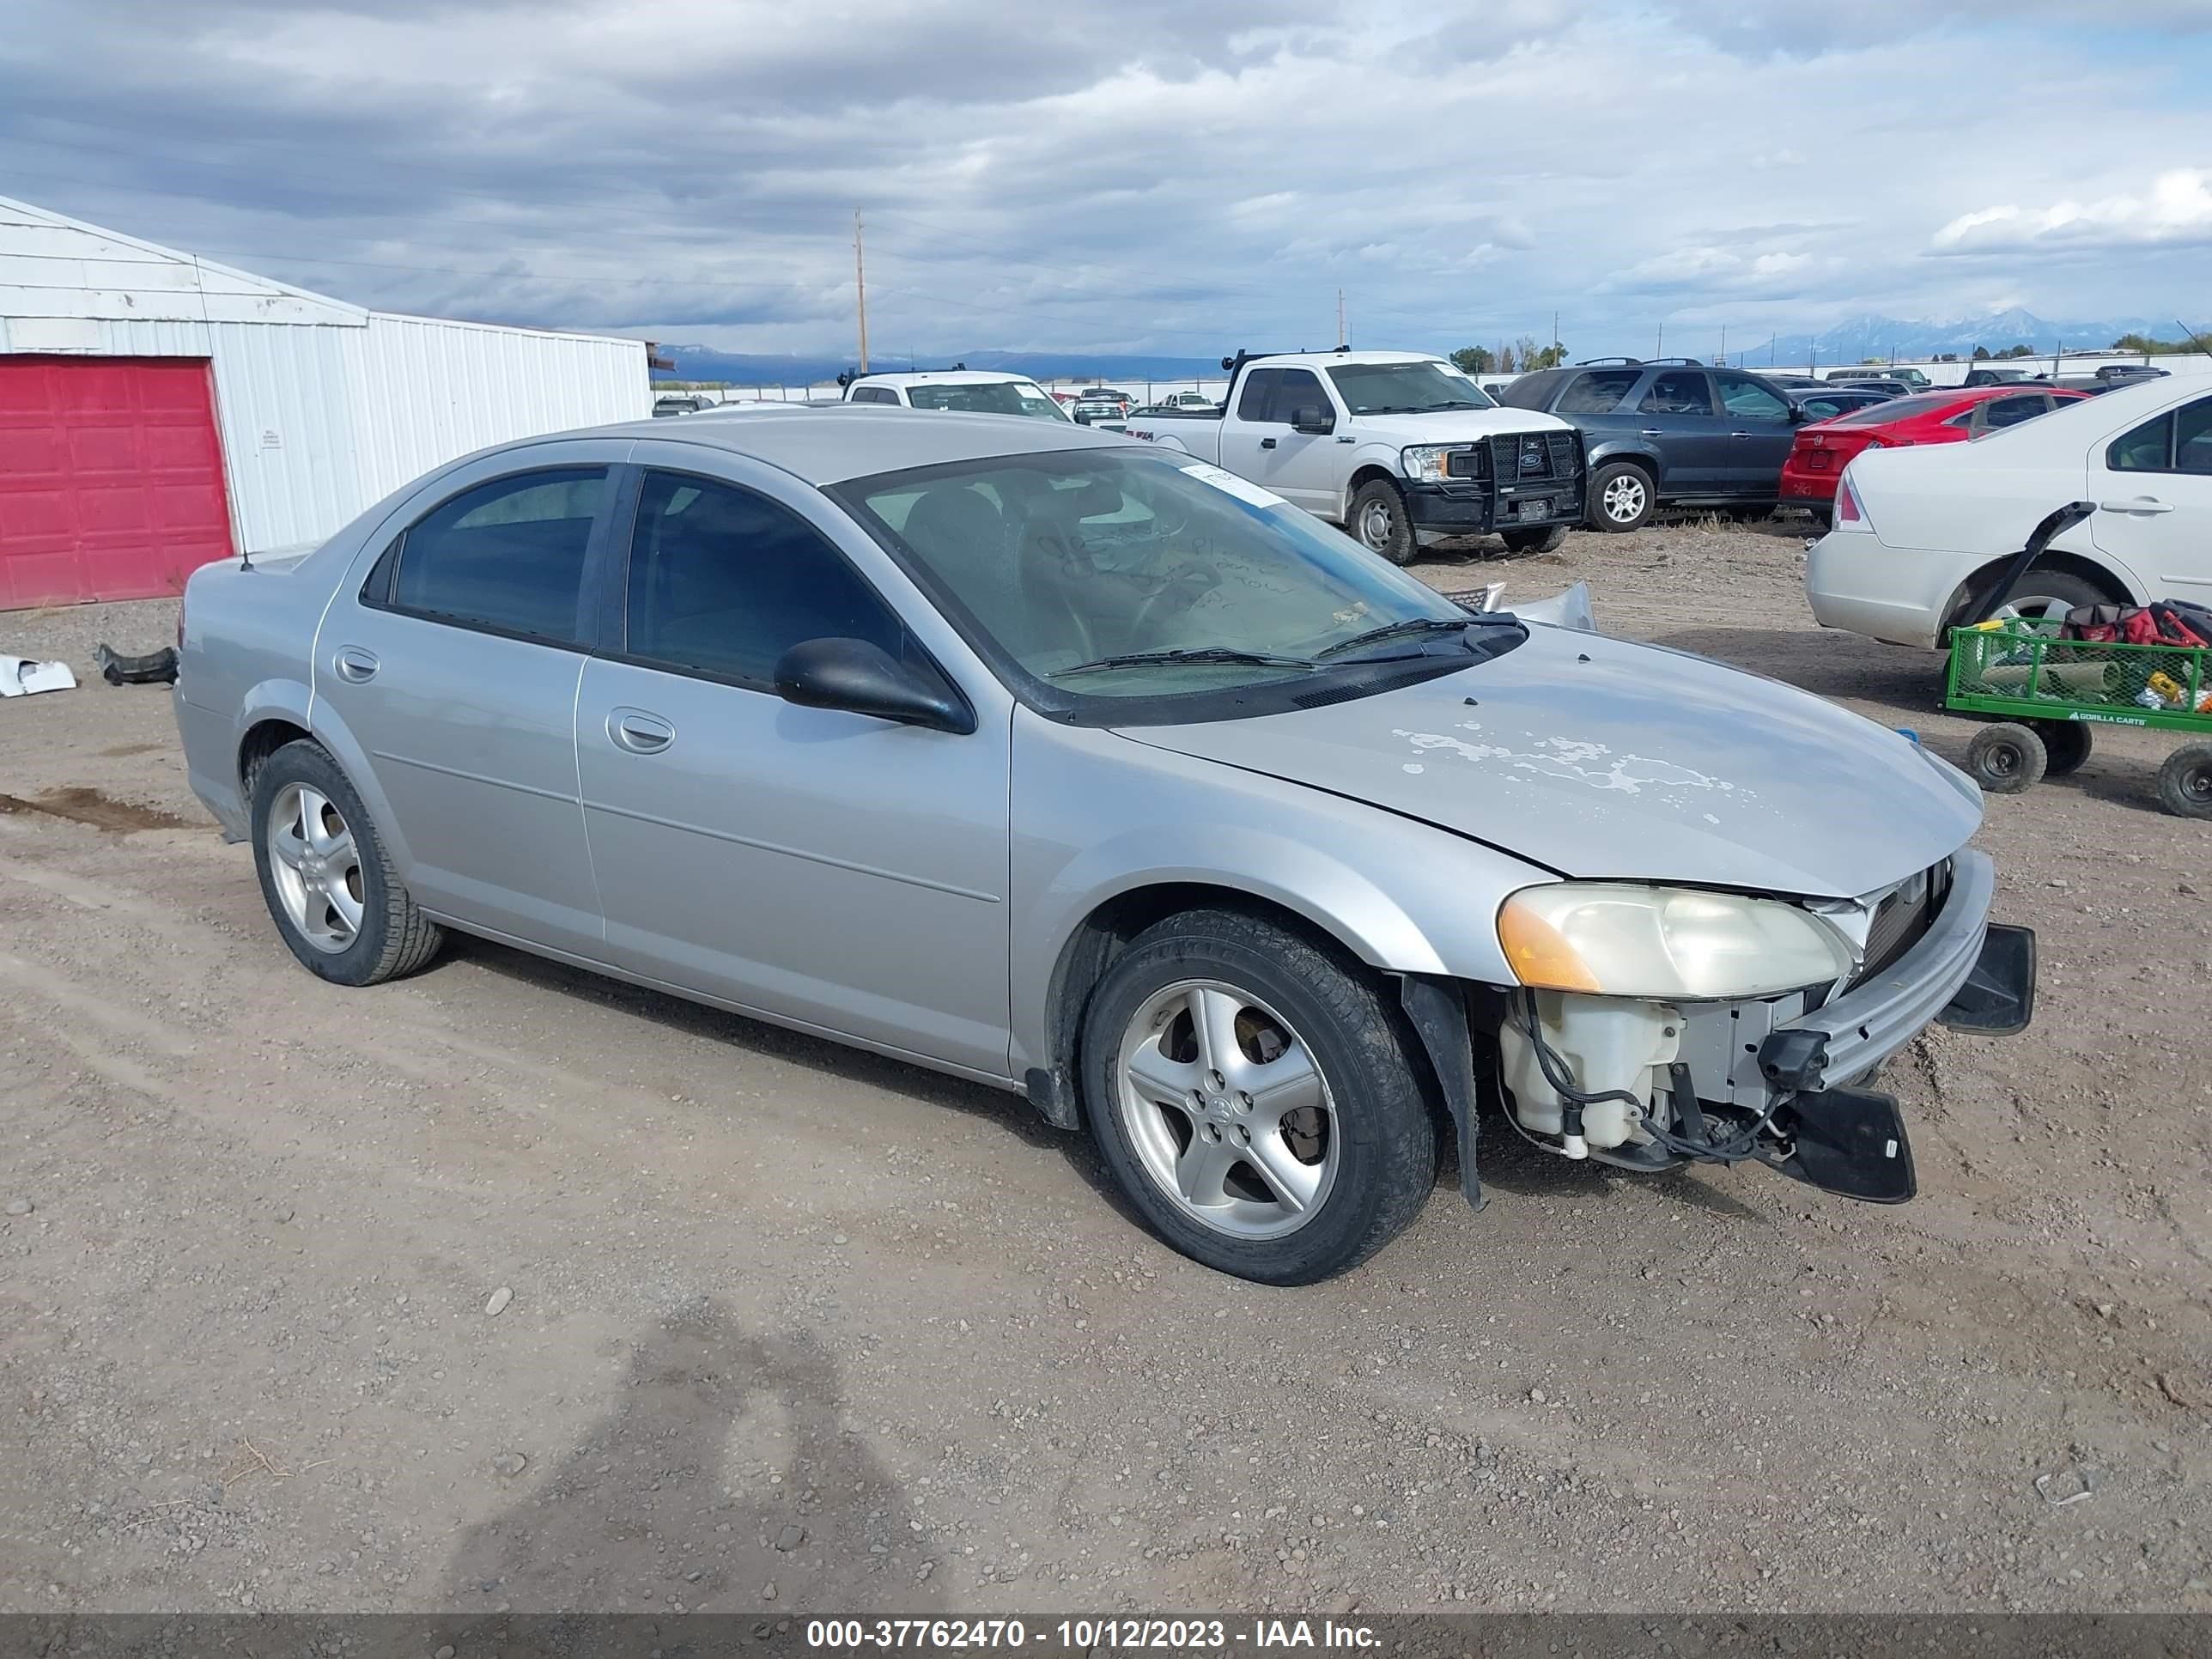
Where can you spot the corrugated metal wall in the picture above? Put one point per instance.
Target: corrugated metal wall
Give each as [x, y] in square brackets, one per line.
[430, 391]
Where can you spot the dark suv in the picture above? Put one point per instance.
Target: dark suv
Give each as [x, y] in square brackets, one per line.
[1668, 433]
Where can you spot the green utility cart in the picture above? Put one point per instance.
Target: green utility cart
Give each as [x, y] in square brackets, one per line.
[2047, 693]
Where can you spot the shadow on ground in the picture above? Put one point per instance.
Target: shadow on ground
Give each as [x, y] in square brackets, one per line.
[722, 1478]
[837, 1059]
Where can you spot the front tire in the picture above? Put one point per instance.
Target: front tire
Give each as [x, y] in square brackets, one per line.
[2184, 783]
[1549, 539]
[1381, 523]
[2007, 758]
[1622, 497]
[1252, 1095]
[325, 875]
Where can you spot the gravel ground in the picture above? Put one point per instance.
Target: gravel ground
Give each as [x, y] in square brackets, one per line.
[503, 1286]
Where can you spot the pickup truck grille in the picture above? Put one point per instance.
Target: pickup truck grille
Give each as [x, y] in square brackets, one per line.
[1533, 456]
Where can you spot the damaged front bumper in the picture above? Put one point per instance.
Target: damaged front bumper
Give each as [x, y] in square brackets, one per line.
[1964, 971]
[1795, 1106]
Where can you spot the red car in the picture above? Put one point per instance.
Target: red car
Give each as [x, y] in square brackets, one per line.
[1951, 415]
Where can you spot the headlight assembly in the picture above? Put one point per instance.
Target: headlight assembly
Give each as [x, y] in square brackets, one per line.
[1432, 463]
[1619, 939]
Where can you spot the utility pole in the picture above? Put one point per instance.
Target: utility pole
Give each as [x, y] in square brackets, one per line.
[1662, 351]
[861, 288]
[1724, 356]
[1342, 338]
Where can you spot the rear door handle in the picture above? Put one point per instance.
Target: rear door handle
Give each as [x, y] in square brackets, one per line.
[356, 665]
[1743, 434]
[1266, 443]
[1650, 432]
[640, 733]
[2140, 504]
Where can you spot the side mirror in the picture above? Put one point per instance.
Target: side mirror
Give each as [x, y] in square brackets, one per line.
[1799, 414]
[862, 678]
[1311, 419]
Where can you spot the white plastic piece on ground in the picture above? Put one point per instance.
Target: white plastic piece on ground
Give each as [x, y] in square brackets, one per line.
[1568, 610]
[1607, 1043]
[20, 676]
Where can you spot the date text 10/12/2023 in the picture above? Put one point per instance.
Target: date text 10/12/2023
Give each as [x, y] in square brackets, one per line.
[1085, 1635]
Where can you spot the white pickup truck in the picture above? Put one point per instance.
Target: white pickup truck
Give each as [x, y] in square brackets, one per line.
[1397, 447]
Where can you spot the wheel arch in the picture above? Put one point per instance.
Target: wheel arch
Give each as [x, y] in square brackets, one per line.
[1366, 472]
[1101, 935]
[2123, 587]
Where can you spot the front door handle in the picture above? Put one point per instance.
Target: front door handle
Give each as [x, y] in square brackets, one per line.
[1743, 434]
[1266, 443]
[2140, 504]
[1650, 432]
[356, 665]
[640, 733]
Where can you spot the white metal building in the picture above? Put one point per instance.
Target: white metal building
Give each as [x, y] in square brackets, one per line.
[158, 410]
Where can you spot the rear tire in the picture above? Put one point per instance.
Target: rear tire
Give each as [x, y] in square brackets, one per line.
[2184, 783]
[2007, 758]
[2066, 744]
[2050, 595]
[1196, 1042]
[329, 884]
[1622, 497]
[1379, 521]
[1549, 539]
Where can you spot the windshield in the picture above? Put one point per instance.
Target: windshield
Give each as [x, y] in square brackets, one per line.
[1405, 388]
[988, 398]
[1061, 560]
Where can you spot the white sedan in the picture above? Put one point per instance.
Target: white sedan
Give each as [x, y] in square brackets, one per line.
[1921, 533]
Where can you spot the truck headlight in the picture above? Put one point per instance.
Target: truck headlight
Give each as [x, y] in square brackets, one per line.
[1432, 463]
[1620, 940]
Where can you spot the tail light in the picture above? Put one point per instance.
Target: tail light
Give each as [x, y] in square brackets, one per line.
[1848, 514]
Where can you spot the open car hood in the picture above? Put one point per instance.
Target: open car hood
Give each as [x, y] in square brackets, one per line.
[1607, 760]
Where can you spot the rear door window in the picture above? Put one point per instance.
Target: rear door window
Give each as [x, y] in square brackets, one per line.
[2180, 441]
[1599, 392]
[1678, 391]
[1259, 391]
[506, 557]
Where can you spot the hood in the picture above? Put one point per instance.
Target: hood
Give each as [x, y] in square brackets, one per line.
[1606, 760]
[1463, 427]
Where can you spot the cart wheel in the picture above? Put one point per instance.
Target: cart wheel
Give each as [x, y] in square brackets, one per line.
[2006, 758]
[2184, 783]
[2066, 743]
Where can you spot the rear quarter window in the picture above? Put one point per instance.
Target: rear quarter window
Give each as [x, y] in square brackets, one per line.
[1598, 392]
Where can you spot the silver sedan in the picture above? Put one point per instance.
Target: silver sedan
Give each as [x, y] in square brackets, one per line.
[1067, 765]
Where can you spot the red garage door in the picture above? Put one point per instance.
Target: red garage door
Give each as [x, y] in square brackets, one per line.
[111, 478]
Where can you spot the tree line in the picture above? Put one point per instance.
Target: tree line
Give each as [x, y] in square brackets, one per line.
[1520, 357]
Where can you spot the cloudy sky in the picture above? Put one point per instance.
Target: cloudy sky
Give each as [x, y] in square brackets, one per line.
[1148, 175]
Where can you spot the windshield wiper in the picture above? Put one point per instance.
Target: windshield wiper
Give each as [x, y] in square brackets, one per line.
[1410, 625]
[1200, 653]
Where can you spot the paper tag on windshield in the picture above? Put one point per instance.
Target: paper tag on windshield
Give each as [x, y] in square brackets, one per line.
[1230, 484]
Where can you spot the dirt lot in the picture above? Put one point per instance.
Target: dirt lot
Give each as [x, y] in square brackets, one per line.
[796, 1327]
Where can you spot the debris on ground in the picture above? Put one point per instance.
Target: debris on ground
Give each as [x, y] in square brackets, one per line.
[156, 668]
[22, 676]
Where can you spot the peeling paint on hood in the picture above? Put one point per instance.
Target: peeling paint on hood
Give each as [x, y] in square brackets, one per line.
[1607, 760]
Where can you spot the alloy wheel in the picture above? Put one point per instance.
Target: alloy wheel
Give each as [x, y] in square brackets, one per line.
[317, 866]
[1624, 498]
[1227, 1109]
